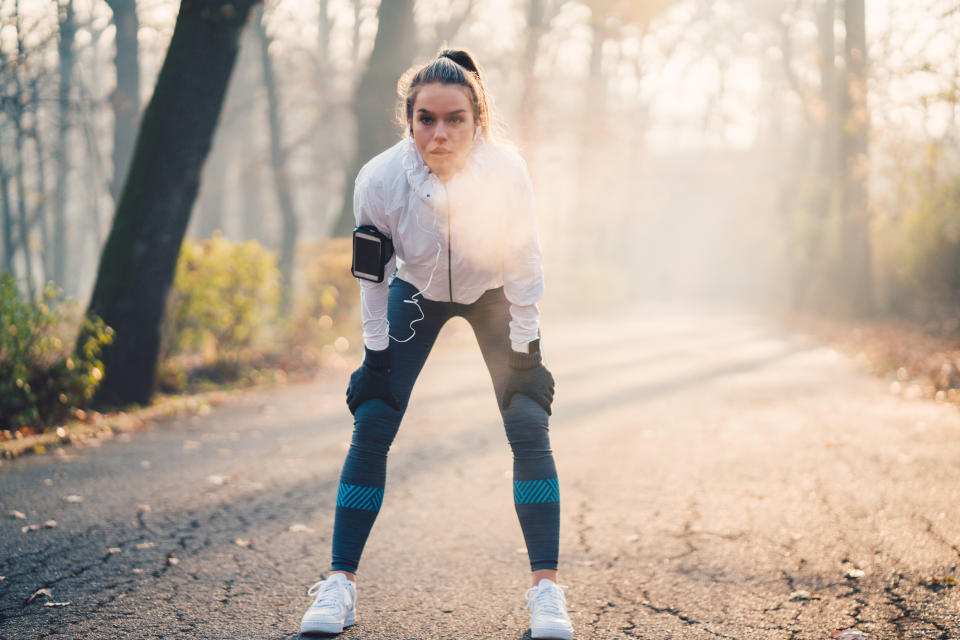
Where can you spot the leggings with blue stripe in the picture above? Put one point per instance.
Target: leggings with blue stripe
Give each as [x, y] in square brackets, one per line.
[535, 488]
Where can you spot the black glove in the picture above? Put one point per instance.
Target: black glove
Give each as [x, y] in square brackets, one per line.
[371, 380]
[529, 377]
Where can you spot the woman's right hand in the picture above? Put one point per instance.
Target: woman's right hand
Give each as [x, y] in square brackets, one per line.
[371, 380]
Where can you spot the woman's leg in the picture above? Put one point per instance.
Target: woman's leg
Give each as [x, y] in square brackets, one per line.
[363, 477]
[536, 492]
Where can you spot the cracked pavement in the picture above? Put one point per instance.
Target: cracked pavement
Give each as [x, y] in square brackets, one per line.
[712, 467]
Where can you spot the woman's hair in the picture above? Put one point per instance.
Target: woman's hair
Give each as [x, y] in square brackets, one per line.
[451, 66]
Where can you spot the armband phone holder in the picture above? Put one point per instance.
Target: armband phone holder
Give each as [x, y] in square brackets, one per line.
[371, 252]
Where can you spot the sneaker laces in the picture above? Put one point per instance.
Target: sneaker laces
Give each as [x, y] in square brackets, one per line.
[549, 600]
[323, 589]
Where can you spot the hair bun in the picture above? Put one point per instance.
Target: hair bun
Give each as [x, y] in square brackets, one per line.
[461, 57]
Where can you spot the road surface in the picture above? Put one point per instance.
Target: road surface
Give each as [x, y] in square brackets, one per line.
[719, 478]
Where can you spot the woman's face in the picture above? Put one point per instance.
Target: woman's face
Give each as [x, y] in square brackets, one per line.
[443, 127]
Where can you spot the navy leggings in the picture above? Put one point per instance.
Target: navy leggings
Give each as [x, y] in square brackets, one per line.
[535, 489]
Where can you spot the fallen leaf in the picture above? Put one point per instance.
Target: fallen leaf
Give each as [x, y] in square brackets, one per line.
[56, 604]
[298, 527]
[145, 464]
[633, 537]
[142, 508]
[146, 545]
[114, 550]
[803, 595]
[137, 570]
[173, 560]
[856, 573]
[49, 524]
[938, 581]
[13, 513]
[48, 482]
[73, 498]
[217, 479]
[243, 542]
[2, 578]
[40, 592]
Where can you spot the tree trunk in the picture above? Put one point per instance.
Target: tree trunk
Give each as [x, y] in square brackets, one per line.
[376, 96]
[278, 165]
[536, 27]
[355, 42]
[39, 213]
[20, 172]
[857, 277]
[140, 255]
[814, 266]
[8, 245]
[68, 29]
[323, 46]
[820, 262]
[126, 97]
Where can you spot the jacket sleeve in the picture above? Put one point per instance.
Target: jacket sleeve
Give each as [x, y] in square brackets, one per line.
[368, 209]
[523, 271]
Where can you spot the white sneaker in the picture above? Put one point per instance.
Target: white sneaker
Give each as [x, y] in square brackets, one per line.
[334, 608]
[548, 611]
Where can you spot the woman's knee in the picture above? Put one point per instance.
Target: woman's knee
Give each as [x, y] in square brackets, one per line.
[376, 423]
[525, 421]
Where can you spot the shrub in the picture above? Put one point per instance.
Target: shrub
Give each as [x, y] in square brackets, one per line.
[41, 378]
[919, 249]
[327, 309]
[224, 296]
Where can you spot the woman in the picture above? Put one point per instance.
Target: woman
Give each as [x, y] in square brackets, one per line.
[459, 211]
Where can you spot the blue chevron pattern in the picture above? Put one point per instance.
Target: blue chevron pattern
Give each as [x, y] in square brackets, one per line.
[354, 496]
[535, 491]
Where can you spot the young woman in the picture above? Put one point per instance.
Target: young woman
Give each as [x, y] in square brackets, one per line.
[458, 208]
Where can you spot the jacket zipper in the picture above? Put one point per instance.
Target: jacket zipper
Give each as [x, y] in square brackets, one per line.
[449, 250]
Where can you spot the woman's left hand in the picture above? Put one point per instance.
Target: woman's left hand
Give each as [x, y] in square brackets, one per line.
[530, 377]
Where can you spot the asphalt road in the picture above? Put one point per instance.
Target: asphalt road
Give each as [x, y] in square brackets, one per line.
[719, 478]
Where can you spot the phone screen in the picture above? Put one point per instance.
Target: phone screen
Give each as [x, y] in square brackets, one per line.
[366, 256]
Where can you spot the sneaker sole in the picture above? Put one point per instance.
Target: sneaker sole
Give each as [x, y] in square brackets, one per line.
[327, 628]
[557, 633]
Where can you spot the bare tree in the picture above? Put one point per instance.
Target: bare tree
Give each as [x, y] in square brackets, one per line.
[278, 165]
[125, 98]
[140, 255]
[538, 15]
[393, 51]
[857, 276]
[68, 28]
[19, 111]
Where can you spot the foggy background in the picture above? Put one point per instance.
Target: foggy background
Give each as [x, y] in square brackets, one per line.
[735, 152]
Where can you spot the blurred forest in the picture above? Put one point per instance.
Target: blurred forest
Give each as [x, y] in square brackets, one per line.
[798, 155]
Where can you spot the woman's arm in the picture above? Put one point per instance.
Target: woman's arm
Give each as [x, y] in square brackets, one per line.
[368, 209]
[523, 271]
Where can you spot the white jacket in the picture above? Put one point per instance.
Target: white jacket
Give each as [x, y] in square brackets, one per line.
[452, 240]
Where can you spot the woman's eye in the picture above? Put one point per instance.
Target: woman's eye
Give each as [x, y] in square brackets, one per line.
[426, 119]
[456, 119]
